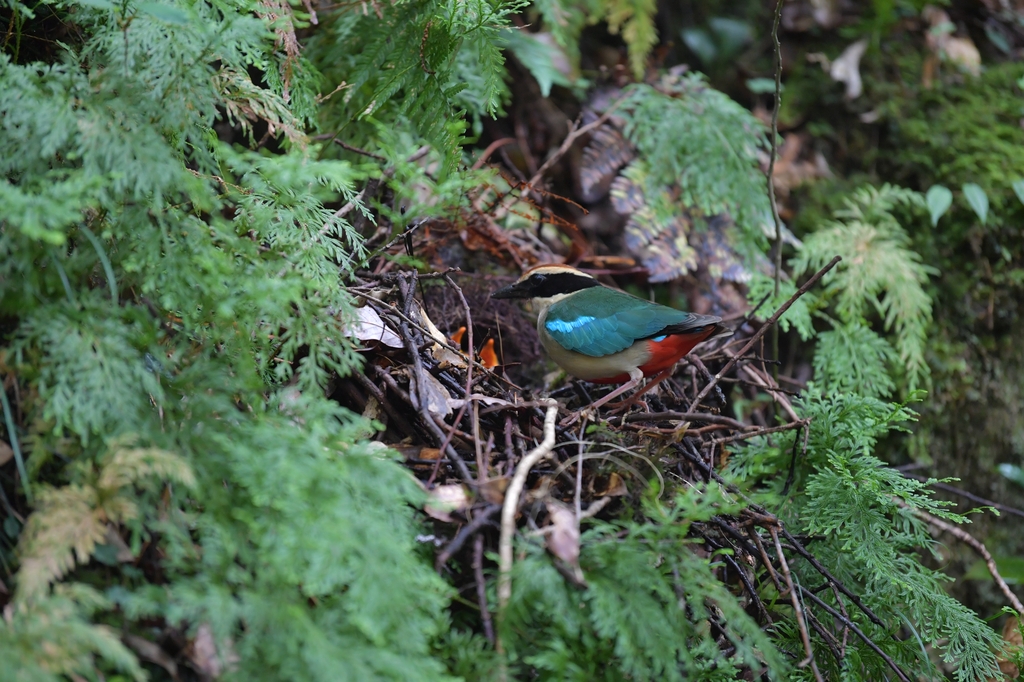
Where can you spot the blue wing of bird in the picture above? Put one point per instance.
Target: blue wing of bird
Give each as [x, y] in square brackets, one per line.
[600, 321]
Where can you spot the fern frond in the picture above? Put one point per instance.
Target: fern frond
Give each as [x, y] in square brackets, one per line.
[64, 529]
[878, 270]
[853, 359]
[51, 639]
[706, 144]
[635, 19]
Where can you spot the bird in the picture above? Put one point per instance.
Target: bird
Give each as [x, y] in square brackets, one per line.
[606, 336]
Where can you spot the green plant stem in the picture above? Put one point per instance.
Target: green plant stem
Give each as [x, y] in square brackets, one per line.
[12, 434]
[107, 268]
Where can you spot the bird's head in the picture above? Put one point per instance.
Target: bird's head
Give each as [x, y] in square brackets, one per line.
[546, 284]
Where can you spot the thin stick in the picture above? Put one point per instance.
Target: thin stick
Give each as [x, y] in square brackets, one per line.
[795, 598]
[965, 494]
[763, 432]
[761, 332]
[574, 134]
[421, 386]
[357, 150]
[975, 544]
[480, 520]
[764, 557]
[511, 504]
[857, 631]
[579, 471]
[771, 172]
[481, 468]
[679, 416]
[497, 144]
[802, 551]
[481, 587]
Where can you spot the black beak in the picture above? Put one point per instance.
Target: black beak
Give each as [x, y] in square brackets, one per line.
[517, 290]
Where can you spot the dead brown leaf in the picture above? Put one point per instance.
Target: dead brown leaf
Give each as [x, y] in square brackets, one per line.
[493, 490]
[563, 538]
[152, 652]
[616, 487]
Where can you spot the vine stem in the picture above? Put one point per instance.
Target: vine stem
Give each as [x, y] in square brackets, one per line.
[771, 174]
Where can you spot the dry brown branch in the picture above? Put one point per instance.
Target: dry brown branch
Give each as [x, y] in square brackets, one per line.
[797, 608]
[966, 494]
[761, 332]
[857, 631]
[511, 504]
[800, 423]
[574, 134]
[975, 544]
[481, 587]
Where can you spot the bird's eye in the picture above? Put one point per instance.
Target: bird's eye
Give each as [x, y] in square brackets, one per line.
[539, 278]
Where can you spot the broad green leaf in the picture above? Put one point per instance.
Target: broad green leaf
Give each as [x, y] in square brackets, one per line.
[763, 86]
[168, 13]
[542, 56]
[978, 200]
[1010, 567]
[1013, 473]
[1018, 189]
[939, 199]
[701, 44]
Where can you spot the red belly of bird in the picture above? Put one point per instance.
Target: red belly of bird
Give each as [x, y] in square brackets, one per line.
[664, 354]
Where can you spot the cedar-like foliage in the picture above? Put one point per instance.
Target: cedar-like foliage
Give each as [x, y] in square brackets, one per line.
[880, 273]
[173, 306]
[861, 513]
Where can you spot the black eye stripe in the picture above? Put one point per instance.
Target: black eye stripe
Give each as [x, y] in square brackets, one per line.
[544, 285]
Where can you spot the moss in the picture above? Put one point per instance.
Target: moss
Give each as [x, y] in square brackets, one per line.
[966, 133]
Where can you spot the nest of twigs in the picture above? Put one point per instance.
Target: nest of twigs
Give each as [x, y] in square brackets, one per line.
[488, 449]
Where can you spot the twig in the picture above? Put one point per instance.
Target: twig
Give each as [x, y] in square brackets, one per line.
[357, 150]
[481, 468]
[497, 144]
[481, 587]
[792, 459]
[857, 631]
[511, 504]
[761, 332]
[846, 628]
[480, 520]
[706, 376]
[830, 639]
[744, 578]
[574, 134]
[802, 551]
[764, 382]
[421, 386]
[763, 432]
[679, 416]
[965, 494]
[764, 558]
[975, 544]
[795, 598]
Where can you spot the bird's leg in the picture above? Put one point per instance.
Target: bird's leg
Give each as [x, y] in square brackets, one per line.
[631, 400]
[635, 377]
